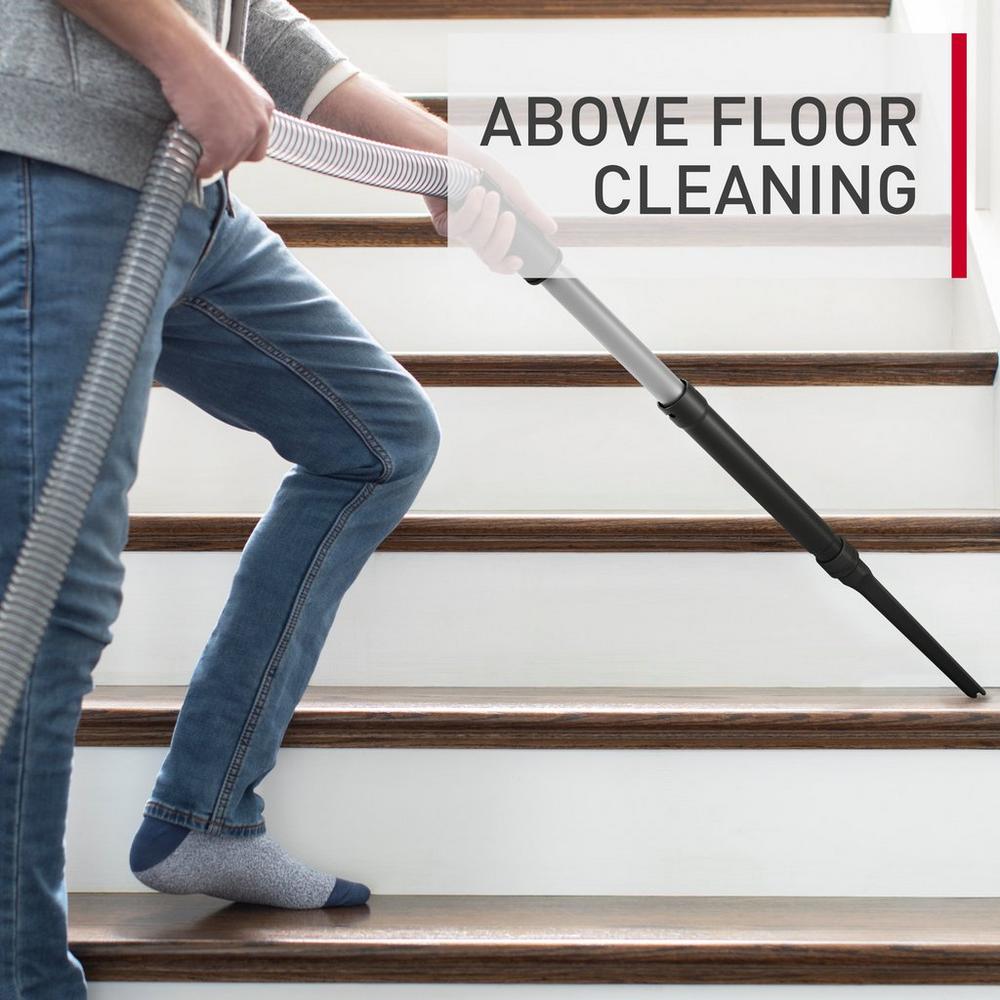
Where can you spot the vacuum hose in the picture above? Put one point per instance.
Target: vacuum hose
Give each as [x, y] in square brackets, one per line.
[376, 164]
[45, 553]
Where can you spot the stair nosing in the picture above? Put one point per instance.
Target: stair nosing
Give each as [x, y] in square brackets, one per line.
[581, 718]
[393, 230]
[583, 369]
[474, 109]
[459, 9]
[508, 532]
[569, 939]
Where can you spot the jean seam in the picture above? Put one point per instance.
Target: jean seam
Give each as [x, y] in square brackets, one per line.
[205, 307]
[15, 924]
[19, 812]
[160, 810]
[305, 373]
[29, 266]
[278, 654]
[26, 221]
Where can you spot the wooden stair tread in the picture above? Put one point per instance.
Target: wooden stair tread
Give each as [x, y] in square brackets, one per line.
[474, 109]
[570, 939]
[582, 717]
[388, 230]
[490, 532]
[732, 368]
[743, 368]
[341, 9]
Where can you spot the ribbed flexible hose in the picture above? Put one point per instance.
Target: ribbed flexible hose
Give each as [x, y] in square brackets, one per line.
[373, 163]
[45, 553]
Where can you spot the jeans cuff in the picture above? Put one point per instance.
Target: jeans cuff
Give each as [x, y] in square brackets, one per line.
[201, 823]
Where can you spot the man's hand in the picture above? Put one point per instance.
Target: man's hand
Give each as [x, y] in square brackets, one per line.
[221, 105]
[480, 224]
[214, 97]
[367, 108]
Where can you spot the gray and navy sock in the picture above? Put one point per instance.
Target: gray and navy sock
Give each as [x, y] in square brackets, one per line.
[173, 859]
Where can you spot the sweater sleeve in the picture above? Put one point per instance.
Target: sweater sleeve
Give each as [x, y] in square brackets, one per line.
[294, 61]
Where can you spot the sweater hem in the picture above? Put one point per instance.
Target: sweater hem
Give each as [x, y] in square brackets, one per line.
[49, 122]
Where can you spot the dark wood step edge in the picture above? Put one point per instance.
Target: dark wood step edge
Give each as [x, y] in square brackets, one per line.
[441, 9]
[748, 368]
[582, 718]
[602, 533]
[401, 231]
[568, 939]
[475, 109]
[714, 368]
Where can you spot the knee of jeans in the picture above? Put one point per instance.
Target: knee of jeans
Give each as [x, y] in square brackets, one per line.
[90, 598]
[418, 440]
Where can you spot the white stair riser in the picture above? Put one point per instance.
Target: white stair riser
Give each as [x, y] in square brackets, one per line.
[610, 449]
[585, 619]
[632, 822]
[445, 300]
[399, 991]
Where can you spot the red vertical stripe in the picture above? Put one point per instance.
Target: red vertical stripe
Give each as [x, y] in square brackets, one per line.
[959, 155]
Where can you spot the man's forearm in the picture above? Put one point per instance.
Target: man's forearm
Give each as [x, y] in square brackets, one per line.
[156, 33]
[365, 107]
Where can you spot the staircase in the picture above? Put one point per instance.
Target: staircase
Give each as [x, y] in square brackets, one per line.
[601, 725]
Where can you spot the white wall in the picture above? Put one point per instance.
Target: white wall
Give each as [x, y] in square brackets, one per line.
[977, 300]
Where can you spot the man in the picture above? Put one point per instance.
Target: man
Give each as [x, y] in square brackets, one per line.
[243, 331]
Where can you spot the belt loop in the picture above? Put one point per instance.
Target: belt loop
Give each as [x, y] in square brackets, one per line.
[229, 200]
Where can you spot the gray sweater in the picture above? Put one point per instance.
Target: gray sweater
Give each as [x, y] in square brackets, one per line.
[69, 96]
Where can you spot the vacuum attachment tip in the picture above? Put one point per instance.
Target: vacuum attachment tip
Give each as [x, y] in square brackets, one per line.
[849, 568]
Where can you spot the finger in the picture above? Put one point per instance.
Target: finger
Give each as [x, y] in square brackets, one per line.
[245, 152]
[461, 221]
[265, 132]
[436, 206]
[497, 246]
[210, 163]
[438, 209]
[509, 265]
[482, 229]
[519, 200]
[232, 161]
[542, 220]
[533, 213]
[259, 149]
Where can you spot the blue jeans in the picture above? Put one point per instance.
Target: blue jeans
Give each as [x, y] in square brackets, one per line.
[246, 333]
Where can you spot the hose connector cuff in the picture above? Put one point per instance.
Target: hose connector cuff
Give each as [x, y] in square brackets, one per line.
[688, 410]
[846, 566]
